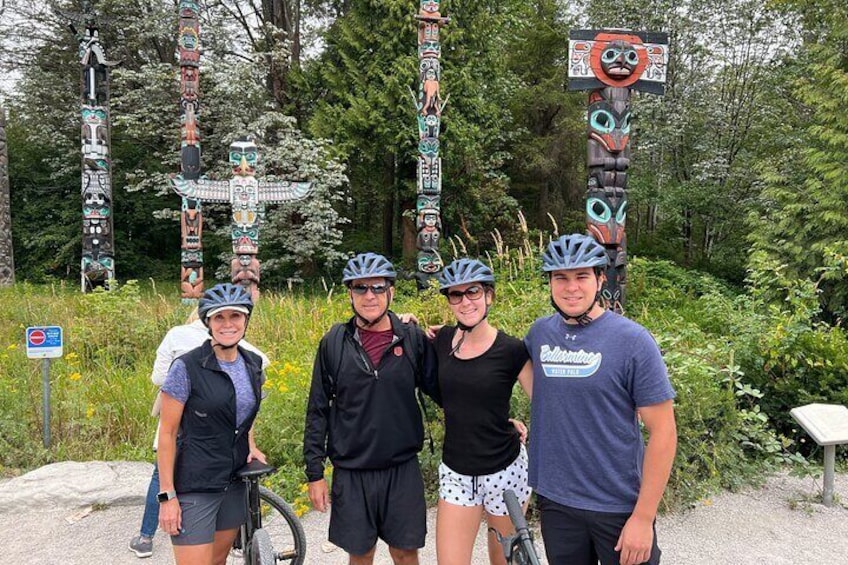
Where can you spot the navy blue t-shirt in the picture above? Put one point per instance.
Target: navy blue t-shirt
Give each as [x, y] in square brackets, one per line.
[586, 446]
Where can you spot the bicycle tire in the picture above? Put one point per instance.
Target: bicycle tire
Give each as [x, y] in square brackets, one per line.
[262, 551]
[283, 528]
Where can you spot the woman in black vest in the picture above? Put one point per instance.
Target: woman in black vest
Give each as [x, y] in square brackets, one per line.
[209, 402]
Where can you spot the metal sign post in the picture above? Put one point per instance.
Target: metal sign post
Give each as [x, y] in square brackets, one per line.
[828, 426]
[45, 343]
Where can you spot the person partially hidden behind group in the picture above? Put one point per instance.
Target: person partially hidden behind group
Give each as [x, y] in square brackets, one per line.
[210, 400]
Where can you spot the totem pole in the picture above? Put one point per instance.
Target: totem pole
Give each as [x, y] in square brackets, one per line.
[98, 260]
[429, 104]
[191, 219]
[7, 260]
[248, 197]
[611, 64]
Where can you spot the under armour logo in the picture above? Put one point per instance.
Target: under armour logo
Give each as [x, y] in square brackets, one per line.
[572, 337]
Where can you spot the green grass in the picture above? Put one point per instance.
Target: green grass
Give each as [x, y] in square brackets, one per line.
[101, 391]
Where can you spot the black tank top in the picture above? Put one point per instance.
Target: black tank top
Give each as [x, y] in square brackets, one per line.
[479, 439]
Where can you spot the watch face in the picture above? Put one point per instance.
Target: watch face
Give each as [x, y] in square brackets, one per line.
[166, 496]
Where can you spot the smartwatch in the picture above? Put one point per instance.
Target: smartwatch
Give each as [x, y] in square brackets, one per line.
[166, 495]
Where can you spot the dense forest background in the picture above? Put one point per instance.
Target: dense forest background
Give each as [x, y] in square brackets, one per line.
[738, 170]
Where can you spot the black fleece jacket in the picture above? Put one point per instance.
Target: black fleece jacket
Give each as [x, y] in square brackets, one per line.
[365, 417]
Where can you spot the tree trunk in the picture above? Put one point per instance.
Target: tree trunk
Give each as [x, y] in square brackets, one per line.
[7, 262]
[285, 15]
[687, 237]
[410, 238]
[543, 204]
[388, 202]
[632, 227]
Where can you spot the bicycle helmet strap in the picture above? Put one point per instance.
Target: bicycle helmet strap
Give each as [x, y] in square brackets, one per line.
[365, 323]
[468, 329]
[583, 319]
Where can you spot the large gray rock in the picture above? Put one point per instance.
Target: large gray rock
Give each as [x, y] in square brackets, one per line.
[71, 484]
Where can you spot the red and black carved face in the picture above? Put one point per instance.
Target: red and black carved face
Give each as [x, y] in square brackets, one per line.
[609, 127]
[606, 218]
[618, 59]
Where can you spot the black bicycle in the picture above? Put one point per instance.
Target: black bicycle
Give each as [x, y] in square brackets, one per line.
[273, 532]
[518, 549]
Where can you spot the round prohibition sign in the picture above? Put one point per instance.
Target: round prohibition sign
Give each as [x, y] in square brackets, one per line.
[37, 337]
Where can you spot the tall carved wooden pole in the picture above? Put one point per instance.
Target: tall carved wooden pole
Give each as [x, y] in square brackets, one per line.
[611, 64]
[191, 219]
[7, 260]
[247, 195]
[98, 259]
[429, 104]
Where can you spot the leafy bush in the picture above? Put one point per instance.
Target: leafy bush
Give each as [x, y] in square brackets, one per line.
[102, 392]
[786, 350]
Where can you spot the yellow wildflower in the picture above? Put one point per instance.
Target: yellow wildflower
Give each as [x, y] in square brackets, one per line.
[89, 413]
[12, 347]
[75, 376]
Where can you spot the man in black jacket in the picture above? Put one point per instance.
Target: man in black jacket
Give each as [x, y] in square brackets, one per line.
[363, 416]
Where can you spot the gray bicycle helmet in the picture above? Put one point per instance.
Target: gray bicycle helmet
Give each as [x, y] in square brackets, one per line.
[575, 251]
[224, 296]
[368, 265]
[464, 271]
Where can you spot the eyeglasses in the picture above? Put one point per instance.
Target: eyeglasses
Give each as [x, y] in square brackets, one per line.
[472, 292]
[361, 289]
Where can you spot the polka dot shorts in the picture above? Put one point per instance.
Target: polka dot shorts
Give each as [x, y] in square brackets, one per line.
[486, 490]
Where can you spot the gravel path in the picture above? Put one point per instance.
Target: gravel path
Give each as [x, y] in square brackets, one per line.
[780, 523]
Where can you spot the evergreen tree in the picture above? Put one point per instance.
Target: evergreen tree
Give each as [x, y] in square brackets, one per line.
[235, 100]
[803, 222]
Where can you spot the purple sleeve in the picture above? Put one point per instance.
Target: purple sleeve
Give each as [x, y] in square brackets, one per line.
[177, 385]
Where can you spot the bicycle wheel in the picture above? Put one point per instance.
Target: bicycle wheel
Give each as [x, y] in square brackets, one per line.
[261, 550]
[283, 528]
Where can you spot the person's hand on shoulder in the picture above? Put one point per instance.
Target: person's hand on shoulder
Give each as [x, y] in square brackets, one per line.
[431, 331]
[408, 318]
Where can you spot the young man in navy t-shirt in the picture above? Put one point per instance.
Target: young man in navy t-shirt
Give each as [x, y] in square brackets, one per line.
[595, 375]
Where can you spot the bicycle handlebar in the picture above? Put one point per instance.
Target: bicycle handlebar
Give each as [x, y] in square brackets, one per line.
[516, 514]
[522, 537]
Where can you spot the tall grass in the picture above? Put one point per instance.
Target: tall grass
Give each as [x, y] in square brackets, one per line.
[102, 392]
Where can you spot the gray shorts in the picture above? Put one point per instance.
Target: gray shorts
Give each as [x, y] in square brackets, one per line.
[204, 513]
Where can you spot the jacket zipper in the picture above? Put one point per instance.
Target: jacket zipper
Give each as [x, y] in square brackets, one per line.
[367, 360]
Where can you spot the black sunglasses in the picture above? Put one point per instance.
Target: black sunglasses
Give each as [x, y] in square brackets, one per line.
[363, 288]
[473, 293]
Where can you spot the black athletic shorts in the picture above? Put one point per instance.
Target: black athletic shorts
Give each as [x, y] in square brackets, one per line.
[584, 537]
[385, 503]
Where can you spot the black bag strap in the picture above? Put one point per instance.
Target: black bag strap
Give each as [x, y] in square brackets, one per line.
[333, 356]
[415, 354]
